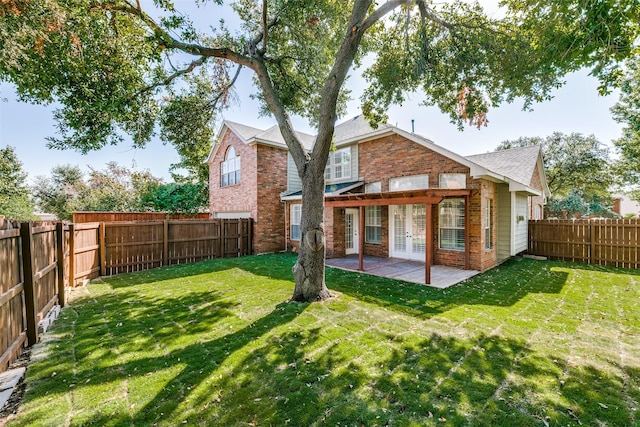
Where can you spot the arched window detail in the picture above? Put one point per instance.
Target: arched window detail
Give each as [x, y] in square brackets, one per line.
[230, 169]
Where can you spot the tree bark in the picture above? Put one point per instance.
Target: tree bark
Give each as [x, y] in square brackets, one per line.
[308, 271]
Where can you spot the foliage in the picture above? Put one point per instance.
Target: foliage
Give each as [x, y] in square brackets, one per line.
[15, 202]
[118, 189]
[527, 343]
[62, 193]
[627, 112]
[185, 198]
[116, 69]
[577, 204]
[578, 170]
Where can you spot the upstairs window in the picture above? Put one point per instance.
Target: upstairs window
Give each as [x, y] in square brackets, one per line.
[230, 169]
[407, 183]
[338, 165]
[453, 181]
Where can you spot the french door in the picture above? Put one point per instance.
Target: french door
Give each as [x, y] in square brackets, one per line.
[408, 231]
[351, 228]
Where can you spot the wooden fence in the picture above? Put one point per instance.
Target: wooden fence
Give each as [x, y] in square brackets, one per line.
[614, 242]
[32, 281]
[38, 262]
[82, 217]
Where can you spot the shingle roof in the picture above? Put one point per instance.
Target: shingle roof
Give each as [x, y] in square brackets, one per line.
[244, 131]
[273, 134]
[351, 128]
[515, 163]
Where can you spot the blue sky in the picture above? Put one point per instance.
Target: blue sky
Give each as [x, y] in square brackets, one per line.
[576, 107]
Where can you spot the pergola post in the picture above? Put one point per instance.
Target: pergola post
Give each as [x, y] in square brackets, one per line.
[361, 238]
[428, 244]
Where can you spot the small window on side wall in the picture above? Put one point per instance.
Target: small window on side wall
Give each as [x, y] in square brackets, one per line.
[373, 224]
[294, 222]
[452, 181]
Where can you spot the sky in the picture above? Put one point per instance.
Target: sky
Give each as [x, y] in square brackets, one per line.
[576, 107]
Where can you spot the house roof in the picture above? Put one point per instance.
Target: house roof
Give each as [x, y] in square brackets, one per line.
[251, 135]
[353, 128]
[516, 163]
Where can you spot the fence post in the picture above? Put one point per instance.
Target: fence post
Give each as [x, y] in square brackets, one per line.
[222, 236]
[26, 231]
[72, 256]
[241, 237]
[103, 249]
[165, 243]
[62, 294]
[592, 241]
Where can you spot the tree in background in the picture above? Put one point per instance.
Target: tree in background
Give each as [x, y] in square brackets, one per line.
[184, 198]
[627, 112]
[116, 68]
[14, 194]
[118, 189]
[62, 193]
[578, 170]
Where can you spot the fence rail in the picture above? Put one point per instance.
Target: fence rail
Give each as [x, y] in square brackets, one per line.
[38, 262]
[613, 242]
[82, 217]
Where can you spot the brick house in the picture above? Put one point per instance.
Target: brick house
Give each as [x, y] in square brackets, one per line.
[391, 193]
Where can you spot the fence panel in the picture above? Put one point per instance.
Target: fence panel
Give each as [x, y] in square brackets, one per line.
[193, 241]
[13, 322]
[45, 265]
[604, 242]
[86, 251]
[132, 246]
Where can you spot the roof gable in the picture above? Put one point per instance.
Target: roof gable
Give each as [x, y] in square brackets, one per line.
[518, 164]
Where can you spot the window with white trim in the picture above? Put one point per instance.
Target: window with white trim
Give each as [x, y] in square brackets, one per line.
[453, 181]
[413, 182]
[230, 169]
[338, 165]
[373, 224]
[294, 221]
[451, 224]
[488, 241]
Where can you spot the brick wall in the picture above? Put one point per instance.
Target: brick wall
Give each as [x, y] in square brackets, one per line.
[396, 156]
[263, 177]
[240, 197]
[272, 180]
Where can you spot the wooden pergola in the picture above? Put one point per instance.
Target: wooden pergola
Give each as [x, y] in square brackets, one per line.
[414, 197]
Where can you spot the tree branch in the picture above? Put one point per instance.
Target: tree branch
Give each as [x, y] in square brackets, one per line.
[177, 74]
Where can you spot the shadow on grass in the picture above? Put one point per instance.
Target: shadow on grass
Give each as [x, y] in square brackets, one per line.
[504, 285]
[282, 370]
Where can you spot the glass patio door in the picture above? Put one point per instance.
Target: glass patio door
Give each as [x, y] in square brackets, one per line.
[408, 229]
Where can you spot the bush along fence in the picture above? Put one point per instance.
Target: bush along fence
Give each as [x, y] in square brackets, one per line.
[40, 262]
[612, 242]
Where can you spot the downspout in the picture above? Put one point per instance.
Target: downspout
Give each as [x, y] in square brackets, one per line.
[285, 226]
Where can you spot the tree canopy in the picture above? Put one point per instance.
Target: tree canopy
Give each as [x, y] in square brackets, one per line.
[627, 112]
[15, 202]
[118, 68]
[578, 170]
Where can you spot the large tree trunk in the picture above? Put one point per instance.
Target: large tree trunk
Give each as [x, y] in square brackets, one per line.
[309, 269]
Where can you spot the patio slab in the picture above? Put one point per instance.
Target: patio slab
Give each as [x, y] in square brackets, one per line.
[409, 271]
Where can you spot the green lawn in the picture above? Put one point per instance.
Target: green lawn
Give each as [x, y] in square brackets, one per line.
[215, 343]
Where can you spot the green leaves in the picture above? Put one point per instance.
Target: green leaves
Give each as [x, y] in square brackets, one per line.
[15, 202]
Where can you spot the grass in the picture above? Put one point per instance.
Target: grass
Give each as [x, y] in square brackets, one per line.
[528, 343]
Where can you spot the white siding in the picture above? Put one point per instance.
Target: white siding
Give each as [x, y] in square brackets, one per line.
[520, 221]
[294, 183]
[503, 222]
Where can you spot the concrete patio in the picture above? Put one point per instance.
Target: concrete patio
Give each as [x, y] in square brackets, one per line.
[410, 271]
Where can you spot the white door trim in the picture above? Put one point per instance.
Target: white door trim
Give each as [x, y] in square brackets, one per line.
[351, 227]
